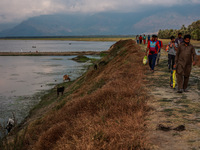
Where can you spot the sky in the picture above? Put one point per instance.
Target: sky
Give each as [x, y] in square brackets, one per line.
[19, 10]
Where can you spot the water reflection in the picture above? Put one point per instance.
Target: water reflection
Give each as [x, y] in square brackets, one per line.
[52, 46]
[23, 78]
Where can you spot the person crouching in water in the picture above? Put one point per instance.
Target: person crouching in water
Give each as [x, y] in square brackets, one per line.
[152, 48]
[172, 53]
[185, 58]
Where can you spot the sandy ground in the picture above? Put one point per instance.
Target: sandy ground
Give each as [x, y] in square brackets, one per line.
[171, 109]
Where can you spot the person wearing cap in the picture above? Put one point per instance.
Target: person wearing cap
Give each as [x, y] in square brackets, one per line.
[185, 58]
[152, 48]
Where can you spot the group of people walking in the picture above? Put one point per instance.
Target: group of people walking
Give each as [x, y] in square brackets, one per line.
[142, 39]
[181, 56]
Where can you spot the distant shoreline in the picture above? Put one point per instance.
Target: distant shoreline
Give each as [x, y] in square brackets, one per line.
[73, 38]
[51, 53]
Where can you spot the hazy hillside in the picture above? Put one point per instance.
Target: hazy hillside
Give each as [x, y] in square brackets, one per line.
[106, 23]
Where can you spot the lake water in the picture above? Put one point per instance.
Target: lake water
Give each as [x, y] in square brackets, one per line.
[24, 78]
[52, 46]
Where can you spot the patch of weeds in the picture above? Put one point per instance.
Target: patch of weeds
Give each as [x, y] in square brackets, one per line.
[186, 106]
[198, 85]
[165, 100]
[163, 64]
[103, 54]
[186, 111]
[169, 112]
[100, 137]
[191, 141]
[123, 53]
[165, 75]
[183, 101]
[81, 58]
[57, 58]
[158, 94]
[184, 96]
[60, 105]
[96, 86]
[176, 134]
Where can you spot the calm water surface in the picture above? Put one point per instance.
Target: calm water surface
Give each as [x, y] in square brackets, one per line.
[23, 79]
[52, 46]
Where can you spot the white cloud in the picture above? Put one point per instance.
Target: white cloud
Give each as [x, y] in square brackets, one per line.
[13, 10]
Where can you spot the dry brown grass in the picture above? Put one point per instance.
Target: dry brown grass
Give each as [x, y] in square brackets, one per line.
[106, 110]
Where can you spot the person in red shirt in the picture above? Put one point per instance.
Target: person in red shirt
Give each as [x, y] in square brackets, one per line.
[152, 47]
[140, 38]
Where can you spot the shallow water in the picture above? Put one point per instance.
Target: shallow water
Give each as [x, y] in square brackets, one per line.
[52, 45]
[25, 78]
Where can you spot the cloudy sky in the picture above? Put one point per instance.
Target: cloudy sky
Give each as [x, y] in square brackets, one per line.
[18, 10]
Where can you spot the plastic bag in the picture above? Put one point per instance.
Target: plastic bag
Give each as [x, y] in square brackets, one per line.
[145, 60]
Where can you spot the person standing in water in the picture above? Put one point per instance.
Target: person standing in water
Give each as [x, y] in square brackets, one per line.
[185, 58]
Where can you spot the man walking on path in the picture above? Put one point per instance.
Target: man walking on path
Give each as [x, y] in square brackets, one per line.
[137, 39]
[149, 38]
[159, 50]
[140, 38]
[172, 53]
[144, 39]
[152, 47]
[185, 57]
[179, 40]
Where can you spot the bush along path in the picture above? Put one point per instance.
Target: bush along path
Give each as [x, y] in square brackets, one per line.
[174, 122]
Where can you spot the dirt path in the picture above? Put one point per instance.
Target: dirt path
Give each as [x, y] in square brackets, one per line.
[171, 109]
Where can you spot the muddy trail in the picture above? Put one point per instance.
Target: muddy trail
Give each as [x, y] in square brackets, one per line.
[174, 122]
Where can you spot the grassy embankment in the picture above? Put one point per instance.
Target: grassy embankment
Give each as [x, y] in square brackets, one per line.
[103, 109]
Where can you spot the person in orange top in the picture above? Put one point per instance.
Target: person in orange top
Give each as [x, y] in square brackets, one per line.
[152, 47]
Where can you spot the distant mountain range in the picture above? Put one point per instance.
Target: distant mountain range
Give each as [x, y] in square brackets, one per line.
[107, 23]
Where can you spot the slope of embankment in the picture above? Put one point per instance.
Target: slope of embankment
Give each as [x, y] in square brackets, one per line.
[103, 109]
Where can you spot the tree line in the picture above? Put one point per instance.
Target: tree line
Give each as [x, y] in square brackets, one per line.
[193, 30]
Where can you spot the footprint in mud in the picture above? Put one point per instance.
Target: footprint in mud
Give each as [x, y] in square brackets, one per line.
[167, 128]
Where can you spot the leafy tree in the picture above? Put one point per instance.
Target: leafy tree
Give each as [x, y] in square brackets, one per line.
[193, 30]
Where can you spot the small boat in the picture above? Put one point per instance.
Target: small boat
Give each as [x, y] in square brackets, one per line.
[33, 46]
